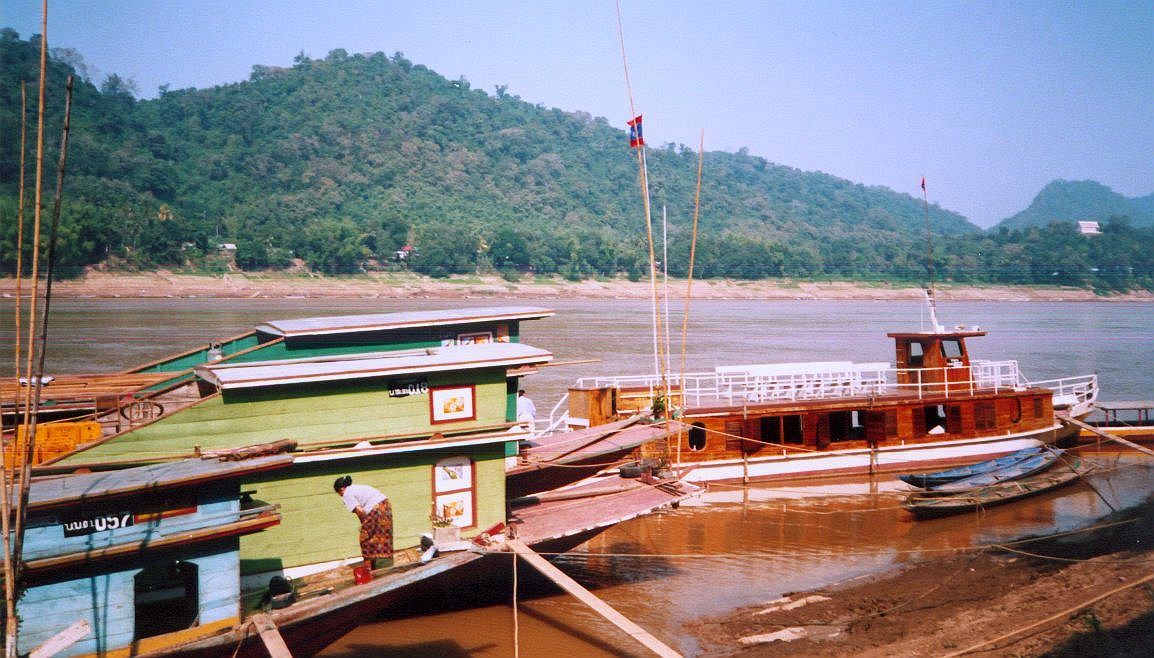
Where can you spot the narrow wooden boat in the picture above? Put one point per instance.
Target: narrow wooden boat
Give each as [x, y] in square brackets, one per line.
[938, 478]
[928, 505]
[1130, 419]
[1015, 471]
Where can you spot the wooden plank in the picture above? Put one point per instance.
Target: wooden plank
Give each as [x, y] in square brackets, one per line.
[1105, 435]
[585, 596]
[269, 634]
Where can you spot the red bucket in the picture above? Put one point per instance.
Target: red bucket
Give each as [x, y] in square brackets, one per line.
[362, 575]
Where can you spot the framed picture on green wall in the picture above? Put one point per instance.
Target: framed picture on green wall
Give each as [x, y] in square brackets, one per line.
[452, 403]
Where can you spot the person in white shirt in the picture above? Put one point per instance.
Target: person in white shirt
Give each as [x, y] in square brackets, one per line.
[376, 514]
[526, 410]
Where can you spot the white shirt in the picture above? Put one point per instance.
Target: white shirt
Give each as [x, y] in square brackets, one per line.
[525, 408]
[362, 496]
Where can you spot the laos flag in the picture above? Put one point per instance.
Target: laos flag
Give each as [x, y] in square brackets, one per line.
[635, 138]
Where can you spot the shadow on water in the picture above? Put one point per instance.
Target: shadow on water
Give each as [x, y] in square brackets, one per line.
[495, 587]
[1131, 528]
[432, 649]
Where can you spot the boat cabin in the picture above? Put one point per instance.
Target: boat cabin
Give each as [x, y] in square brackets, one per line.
[315, 380]
[139, 559]
[932, 359]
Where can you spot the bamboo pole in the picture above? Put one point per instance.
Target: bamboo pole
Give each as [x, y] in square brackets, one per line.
[6, 481]
[40, 346]
[585, 596]
[689, 283]
[11, 586]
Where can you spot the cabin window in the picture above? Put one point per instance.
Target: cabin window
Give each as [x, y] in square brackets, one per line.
[771, 429]
[952, 349]
[791, 427]
[917, 354]
[985, 417]
[1039, 412]
[697, 437]
[167, 598]
[934, 419]
[841, 426]
[453, 491]
[782, 429]
[1016, 411]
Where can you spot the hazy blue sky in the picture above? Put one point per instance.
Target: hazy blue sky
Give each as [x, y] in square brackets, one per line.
[989, 100]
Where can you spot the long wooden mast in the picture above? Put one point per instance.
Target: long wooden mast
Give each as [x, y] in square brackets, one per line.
[658, 343]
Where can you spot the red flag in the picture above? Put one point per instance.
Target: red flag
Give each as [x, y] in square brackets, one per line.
[636, 140]
[923, 183]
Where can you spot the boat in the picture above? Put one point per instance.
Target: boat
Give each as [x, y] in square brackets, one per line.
[1129, 419]
[1017, 470]
[928, 505]
[122, 560]
[934, 407]
[937, 478]
[420, 405]
[136, 561]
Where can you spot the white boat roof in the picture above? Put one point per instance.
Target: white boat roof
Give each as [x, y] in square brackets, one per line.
[341, 324]
[378, 364]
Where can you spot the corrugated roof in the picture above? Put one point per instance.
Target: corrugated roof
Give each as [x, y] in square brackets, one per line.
[380, 364]
[90, 487]
[341, 324]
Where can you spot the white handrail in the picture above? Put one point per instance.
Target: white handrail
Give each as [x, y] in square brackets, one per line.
[802, 381]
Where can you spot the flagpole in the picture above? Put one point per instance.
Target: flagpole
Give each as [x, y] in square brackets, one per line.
[635, 125]
[930, 259]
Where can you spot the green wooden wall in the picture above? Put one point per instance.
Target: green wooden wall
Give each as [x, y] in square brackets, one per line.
[321, 412]
[315, 527]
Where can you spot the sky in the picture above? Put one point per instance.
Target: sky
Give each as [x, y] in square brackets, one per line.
[989, 100]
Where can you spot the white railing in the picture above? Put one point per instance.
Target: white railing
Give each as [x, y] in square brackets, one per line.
[840, 379]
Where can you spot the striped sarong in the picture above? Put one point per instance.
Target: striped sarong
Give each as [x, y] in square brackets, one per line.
[377, 532]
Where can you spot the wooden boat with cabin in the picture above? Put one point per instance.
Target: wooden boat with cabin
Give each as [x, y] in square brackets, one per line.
[935, 407]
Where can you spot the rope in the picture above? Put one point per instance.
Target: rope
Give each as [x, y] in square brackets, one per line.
[516, 618]
[1054, 617]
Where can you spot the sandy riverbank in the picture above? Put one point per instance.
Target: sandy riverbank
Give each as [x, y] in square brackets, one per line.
[409, 286]
[1077, 595]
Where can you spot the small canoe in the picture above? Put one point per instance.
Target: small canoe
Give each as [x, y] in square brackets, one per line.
[927, 505]
[931, 480]
[1015, 471]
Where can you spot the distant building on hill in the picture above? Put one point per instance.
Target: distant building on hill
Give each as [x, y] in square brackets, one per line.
[1089, 228]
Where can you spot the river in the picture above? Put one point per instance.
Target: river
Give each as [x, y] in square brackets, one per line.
[735, 546]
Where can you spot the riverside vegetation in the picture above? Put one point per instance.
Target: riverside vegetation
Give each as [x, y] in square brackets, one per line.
[338, 163]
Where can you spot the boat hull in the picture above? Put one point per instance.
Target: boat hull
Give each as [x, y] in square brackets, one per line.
[885, 459]
[926, 505]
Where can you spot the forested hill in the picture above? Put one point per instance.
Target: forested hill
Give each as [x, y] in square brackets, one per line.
[1073, 201]
[343, 161]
